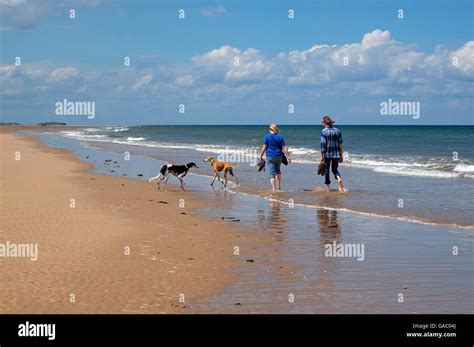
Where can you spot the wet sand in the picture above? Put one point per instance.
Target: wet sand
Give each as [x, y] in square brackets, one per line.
[400, 258]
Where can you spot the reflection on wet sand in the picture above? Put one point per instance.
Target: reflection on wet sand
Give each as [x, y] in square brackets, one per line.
[289, 256]
[274, 221]
[328, 226]
[329, 232]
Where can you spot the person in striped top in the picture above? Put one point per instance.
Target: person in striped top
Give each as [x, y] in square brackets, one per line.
[331, 151]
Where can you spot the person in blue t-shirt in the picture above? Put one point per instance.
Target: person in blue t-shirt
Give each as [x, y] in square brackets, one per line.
[274, 148]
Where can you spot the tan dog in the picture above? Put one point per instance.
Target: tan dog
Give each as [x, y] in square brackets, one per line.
[218, 167]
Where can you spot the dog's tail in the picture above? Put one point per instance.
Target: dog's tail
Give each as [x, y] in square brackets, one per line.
[161, 174]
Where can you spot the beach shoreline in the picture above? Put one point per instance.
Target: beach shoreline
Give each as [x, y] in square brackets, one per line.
[105, 244]
[191, 250]
[376, 179]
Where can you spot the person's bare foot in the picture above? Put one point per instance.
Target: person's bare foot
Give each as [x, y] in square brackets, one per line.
[328, 187]
[340, 185]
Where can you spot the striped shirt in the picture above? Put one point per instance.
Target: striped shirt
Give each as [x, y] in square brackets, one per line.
[330, 140]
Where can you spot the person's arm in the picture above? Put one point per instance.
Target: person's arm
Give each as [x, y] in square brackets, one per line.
[323, 146]
[287, 153]
[262, 152]
[264, 147]
[341, 159]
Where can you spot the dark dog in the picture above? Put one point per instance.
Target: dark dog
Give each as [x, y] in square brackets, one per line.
[176, 170]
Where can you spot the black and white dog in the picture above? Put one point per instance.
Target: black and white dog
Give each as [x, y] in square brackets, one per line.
[176, 170]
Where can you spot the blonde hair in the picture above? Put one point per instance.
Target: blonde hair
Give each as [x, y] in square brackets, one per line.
[273, 127]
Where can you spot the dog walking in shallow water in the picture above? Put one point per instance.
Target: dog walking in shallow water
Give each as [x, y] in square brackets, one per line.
[176, 170]
[218, 167]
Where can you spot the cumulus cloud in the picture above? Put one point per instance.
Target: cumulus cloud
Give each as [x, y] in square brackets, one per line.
[378, 66]
[231, 64]
[462, 61]
[376, 38]
[377, 63]
[377, 57]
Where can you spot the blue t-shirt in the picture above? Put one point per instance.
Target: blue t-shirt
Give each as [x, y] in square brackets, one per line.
[275, 143]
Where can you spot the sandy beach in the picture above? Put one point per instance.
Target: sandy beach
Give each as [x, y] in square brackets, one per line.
[83, 264]
[122, 246]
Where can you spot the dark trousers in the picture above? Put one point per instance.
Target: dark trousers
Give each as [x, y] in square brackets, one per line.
[333, 164]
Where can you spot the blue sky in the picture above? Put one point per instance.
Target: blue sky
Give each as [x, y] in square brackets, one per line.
[281, 61]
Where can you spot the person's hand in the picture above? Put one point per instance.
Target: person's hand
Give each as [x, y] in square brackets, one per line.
[289, 159]
[341, 159]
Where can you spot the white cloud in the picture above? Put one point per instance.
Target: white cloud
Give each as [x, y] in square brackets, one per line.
[63, 74]
[142, 81]
[462, 60]
[11, 3]
[378, 67]
[232, 65]
[24, 15]
[376, 38]
[375, 65]
[184, 81]
[213, 11]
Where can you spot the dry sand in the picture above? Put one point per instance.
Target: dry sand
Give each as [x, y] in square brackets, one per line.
[82, 265]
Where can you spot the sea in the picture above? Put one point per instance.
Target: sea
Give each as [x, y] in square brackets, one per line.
[422, 174]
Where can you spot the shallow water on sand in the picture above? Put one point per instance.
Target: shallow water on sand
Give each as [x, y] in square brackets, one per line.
[289, 261]
[399, 258]
[403, 172]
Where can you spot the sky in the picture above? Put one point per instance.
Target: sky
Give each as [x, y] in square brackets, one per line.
[237, 62]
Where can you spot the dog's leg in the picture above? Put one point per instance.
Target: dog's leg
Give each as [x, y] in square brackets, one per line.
[231, 171]
[165, 179]
[156, 179]
[180, 177]
[216, 175]
[219, 177]
[225, 178]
